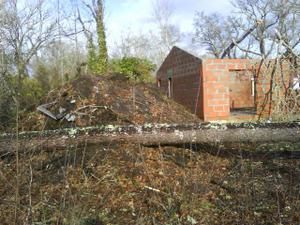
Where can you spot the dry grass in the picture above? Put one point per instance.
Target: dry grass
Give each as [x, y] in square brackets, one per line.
[131, 184]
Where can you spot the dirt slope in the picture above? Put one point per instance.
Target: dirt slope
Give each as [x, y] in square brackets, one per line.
[107, 100]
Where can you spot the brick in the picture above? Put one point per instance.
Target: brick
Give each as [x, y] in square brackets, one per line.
[208, 61]
[222, 90]
[216, 102]
[211, 67]
[222, 67]
[213, 95]
[218, 108]
[211, 78]
[217, 79]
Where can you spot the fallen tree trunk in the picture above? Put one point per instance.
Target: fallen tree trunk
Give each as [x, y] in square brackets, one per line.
[159, 134]
[253, 151]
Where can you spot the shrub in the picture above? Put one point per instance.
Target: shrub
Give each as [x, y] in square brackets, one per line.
[136, 69]
[30, 93]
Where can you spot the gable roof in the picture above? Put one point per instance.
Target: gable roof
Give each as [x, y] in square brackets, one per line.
[177, 49]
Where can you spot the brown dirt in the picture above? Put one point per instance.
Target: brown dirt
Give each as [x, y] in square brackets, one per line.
[131, 184]
[115, 184]
[108, 100]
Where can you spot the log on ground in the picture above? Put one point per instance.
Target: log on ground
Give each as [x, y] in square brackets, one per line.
[250, 134]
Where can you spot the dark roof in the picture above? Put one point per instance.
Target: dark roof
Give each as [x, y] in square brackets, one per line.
[175, 48]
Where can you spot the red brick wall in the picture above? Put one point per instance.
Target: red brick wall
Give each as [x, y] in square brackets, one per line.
[240, 89]
[185, 78]
[203, 86]
[216, 87]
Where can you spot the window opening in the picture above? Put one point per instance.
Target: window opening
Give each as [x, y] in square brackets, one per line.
[252, 87]
[296, 83]
[169, 87]
[159, 83]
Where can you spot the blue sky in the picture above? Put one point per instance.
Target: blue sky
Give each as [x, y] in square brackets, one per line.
[135, 15]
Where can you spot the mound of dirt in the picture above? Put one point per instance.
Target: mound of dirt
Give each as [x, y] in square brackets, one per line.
[91, 101]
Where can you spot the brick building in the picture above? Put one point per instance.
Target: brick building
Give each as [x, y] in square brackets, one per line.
[211, 88]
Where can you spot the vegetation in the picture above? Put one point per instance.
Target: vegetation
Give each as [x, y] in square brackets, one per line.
[132, 184]
[103, 56]
[97, 62]
[7, 106]
[257, 29]
[134, 68]
[47, 50]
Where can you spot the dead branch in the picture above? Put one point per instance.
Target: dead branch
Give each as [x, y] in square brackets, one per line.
[234, 43]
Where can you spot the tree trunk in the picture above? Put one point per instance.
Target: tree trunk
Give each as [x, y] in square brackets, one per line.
[249, 134]
[103, 56]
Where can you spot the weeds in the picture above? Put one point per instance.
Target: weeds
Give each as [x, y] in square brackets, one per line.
[132, 184]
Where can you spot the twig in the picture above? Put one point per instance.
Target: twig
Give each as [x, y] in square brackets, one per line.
[91, 106]
[245, 50]
[154, 189]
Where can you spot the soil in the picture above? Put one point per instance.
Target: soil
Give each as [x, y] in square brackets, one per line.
[102, 100]
[116, 184]
[132, 184]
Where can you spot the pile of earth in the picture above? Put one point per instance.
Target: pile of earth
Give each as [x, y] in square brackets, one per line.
[102, 100]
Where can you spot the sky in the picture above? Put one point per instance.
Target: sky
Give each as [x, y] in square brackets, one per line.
[135, 16]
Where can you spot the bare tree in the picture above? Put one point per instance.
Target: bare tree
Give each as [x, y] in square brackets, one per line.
[141, 45]
[153, 45]
[169, 34]
[26, 28]
[252, 30]
[259, 12]
[213, 32]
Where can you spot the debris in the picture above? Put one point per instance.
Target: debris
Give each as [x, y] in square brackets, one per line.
[61, 110]
[153, 189]
[43, 109]
[191, 220]
[93, 101]
[123, 184]
[70, 117]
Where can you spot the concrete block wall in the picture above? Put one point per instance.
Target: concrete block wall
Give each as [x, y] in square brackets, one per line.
[184, 71]
[210, 87]
[216, 84]
[240, 88]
